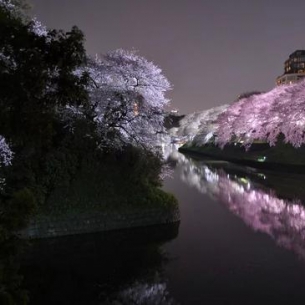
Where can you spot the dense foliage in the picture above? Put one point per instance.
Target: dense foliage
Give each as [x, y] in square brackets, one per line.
[37, 80]
[58, 107]
[56, 104]
[70, 125]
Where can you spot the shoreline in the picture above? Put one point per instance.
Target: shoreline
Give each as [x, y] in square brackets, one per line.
[223, 155]
[97, 221]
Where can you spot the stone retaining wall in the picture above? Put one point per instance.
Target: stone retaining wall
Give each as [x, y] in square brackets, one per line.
[44, 227]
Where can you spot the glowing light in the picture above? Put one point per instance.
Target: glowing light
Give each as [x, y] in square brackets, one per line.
[262, 159]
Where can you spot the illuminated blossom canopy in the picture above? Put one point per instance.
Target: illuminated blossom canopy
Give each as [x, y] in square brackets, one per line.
[127, 96]
[7, 4]
[38, 28]
[265, 117]
[6, 154]
[199, 126]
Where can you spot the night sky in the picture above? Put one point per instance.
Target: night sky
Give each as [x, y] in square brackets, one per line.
[211, 51]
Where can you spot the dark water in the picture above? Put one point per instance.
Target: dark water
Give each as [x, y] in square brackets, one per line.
[241, 240]
[122, 267]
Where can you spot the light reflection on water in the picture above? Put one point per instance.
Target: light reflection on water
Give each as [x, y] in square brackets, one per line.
[244, 193]
[215, 259]
[120, 267]
[144, 294]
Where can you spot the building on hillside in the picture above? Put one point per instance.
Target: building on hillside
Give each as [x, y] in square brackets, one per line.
[294, 68]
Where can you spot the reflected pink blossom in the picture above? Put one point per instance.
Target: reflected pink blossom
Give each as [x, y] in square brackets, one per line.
[283, 220]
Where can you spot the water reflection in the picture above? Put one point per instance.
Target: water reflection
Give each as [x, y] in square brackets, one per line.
[121, 267]
[253, 196]
[11, 286]
[143, 294]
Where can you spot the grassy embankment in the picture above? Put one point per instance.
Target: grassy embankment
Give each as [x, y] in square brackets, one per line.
[280, 157]
[111, 183]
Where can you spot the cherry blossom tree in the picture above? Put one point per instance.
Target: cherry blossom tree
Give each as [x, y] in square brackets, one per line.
[38, 28]
[198, 127]
[225, 122]
[7, 5]
[6, 154]
[208, 125]
[266, 116]
[127, 97]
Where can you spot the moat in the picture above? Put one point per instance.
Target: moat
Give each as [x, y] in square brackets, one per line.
[240, 241]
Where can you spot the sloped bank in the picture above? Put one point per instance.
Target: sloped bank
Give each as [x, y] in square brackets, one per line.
[105, 196]
[282, 157]
[91, 222]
